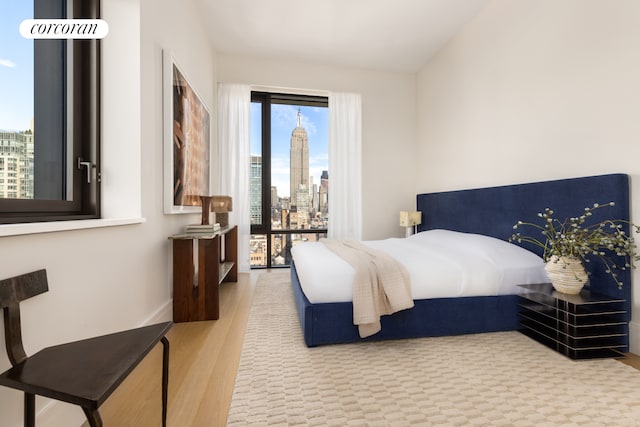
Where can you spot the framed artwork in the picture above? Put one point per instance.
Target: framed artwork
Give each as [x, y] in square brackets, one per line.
[187, 129]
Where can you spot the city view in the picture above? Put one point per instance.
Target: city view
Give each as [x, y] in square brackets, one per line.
[16, 106]
[16, 164]
[297, 196]
[299, 182]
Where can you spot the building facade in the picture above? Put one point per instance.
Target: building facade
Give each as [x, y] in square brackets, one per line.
[299, 166]
[16, 165]
[255, 189]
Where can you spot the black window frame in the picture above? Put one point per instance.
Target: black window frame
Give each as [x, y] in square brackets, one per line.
[75, 91]
[267, 99]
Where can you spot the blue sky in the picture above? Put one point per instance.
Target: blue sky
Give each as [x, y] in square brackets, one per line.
[284, 118]
[16, 66]
[16, 102]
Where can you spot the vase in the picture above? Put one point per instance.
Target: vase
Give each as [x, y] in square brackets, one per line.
[567, 274]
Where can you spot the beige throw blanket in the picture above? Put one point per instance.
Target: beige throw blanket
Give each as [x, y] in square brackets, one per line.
[381, 285]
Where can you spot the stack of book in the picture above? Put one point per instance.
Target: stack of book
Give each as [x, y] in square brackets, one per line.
[203, 228]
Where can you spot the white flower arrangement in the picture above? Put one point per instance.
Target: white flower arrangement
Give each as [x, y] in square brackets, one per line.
[572, 238]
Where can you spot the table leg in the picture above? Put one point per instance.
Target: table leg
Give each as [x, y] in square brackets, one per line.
[165, 378]
[93, 416]
[29, 410]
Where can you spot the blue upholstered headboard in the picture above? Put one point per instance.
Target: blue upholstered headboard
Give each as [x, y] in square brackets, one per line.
[493, 211]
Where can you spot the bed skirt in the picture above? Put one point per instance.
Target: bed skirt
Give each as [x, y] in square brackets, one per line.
[332, 323]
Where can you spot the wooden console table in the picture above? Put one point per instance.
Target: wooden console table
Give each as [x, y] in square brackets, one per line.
[200, 263]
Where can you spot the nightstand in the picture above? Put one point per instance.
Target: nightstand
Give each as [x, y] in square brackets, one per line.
[584, 326]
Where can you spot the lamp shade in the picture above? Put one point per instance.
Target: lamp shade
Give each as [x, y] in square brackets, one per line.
[221, 204]
[410, 219]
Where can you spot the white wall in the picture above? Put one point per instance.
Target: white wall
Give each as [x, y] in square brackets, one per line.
[534, 90]
[530, 90]
[388, 127]
[107, 279]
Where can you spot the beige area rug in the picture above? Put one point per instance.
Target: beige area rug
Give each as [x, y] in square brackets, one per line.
[496, 379]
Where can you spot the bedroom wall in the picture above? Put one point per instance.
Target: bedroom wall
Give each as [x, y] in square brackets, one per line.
[534, 90]
[388, 127]
[107, 279]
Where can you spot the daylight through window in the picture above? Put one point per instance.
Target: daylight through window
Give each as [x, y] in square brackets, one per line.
[49, 117]
[289, 175]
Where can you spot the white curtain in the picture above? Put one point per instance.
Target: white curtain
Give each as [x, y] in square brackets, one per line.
[234, 106]
[345, 166]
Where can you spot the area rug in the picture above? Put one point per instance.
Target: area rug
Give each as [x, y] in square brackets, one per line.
[493, 379]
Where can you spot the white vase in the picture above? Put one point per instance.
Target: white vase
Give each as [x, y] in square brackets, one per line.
[567, 274]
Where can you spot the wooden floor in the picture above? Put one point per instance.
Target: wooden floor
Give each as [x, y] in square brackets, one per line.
[632, 360]
[203, 363]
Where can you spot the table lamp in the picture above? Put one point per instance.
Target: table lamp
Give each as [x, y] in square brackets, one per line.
[221, 206]
[410, 220]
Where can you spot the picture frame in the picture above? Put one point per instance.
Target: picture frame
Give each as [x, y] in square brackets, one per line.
[187, 139]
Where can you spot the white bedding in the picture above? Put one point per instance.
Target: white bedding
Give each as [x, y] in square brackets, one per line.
[441, 264]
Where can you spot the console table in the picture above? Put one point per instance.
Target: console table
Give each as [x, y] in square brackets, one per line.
[583, 326]
[201, 262]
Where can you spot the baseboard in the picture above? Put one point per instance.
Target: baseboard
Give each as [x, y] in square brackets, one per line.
[634, 337]
[56, 413]
[162, 314]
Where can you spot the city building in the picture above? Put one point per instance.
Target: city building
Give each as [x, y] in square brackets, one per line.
[323, 196]
[16, 165]
[299, 166]
[255, 189]
[305, 208]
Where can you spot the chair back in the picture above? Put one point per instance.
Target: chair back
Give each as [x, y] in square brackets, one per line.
[12, 291]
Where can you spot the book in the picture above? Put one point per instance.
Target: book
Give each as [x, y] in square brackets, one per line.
[203, 228]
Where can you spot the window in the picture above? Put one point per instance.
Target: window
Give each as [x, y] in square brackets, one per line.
[49, 118]
[289, 175]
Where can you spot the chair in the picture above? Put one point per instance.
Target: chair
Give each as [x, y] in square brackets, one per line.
[83, 373]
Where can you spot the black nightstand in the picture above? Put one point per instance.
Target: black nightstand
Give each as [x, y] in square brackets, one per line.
[584, 326]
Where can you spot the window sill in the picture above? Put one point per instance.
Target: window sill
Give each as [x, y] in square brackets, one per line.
[50, 227]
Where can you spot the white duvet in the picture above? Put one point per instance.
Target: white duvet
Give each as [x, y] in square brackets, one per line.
[441, 264]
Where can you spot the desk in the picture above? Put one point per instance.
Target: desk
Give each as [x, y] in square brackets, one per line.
[200, 263]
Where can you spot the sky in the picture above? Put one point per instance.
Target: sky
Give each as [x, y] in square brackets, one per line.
[16, 66]
[16, 102]
[284, 119]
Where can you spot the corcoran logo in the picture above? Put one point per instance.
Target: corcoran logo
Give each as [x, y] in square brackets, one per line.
[64, 29]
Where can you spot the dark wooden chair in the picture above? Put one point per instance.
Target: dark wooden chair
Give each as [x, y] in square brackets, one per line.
[83, 373]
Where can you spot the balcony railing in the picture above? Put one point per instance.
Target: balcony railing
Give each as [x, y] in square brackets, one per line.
[274, 249]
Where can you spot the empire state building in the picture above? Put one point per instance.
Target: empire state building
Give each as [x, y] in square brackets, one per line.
[299, 179]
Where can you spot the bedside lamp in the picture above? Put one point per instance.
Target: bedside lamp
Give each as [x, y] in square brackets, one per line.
[410, 220]
[221, 206]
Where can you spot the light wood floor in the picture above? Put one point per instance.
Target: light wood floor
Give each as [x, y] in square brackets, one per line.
[203, 363]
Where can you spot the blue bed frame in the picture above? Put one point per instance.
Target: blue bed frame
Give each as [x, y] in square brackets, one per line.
[490, 211]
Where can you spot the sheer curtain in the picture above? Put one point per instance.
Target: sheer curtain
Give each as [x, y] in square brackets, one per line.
[234, 106]
[345, 166]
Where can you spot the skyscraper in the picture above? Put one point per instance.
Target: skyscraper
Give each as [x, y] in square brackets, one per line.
[16, 165]
[324, 192]
[299, 179]
[255, 189]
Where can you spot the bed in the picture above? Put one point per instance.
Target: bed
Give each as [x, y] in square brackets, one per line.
[486, 212]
